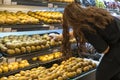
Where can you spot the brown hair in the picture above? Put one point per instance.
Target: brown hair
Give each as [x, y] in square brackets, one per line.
[79, 17]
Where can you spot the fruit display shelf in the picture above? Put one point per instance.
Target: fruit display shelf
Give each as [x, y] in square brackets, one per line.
[32, 54]
[44, 59]
[40, 3]
[61, 71]
[49, 63]
[16, 71]
[9, 48]
[12, 68]
[90, 75]
[32, 65]
[28, 27]
[29, 45]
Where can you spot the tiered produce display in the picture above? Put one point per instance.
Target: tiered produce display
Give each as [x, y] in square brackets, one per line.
[34, 56]
[66, 70]
[47, 16]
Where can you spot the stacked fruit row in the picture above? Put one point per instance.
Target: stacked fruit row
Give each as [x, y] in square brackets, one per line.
[6, 67]
[48, 57]
[47, 16]
[66, 1]
[67, 69]
[26, 44]
[19, 17]
[30, 17]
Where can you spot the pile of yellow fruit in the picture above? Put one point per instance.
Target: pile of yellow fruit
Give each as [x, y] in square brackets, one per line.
[66, 1]
[19, 17]
[21, 44]
[47, 16]
[6, 67]
[67, 69]
[48, 57]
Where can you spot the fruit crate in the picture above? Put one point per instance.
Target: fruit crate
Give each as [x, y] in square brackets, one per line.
[83, 75]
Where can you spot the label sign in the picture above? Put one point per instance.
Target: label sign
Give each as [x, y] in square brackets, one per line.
[55, 50]
[6, 29]
[11, 60]
[55, 6]
[14, 30]
[14, 3]
[51, 27]
[50, 5]
[56, 28]
[19, 59]
[7, 2]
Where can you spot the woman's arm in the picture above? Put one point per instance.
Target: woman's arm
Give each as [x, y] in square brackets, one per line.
[97, 41]
[106, 51]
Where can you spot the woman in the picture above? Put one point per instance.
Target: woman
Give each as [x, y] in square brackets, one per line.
[99, 28]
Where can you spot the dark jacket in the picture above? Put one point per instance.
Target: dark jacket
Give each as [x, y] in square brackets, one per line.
[110, 36]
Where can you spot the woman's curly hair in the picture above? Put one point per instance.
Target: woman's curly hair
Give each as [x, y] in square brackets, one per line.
[78, 18]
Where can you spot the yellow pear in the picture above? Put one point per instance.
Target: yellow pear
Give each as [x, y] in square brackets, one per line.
[5, 69]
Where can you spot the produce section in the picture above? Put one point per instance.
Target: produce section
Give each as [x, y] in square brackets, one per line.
[37, 54]
[43, 58]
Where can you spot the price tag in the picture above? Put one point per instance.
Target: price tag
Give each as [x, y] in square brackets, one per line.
[56, 28]
[14, 3]
[14, 30]
[19, 59]
[11, 60]
[6, 29]
[55, 6]
[50, 5]
[51, 27]
[55, 50]
[7, 2]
